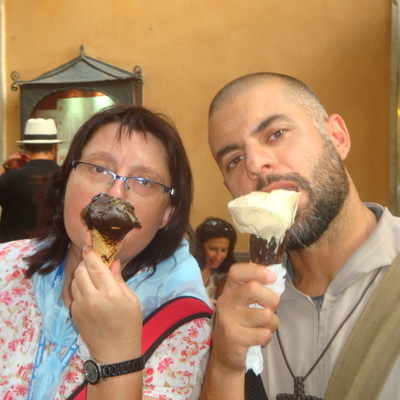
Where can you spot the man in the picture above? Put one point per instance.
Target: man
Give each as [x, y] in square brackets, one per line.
[23, 175]
[269, 131]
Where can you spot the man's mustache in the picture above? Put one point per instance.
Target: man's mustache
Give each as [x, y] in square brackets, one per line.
[294, 177]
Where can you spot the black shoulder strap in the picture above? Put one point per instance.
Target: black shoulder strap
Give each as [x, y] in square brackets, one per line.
[253, 387]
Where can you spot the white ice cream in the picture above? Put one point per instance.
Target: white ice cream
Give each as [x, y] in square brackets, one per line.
[263, 214]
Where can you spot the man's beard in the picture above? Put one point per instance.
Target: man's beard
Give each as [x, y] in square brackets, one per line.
[326, 197]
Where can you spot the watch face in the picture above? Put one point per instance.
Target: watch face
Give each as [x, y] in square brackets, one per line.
[91, 371]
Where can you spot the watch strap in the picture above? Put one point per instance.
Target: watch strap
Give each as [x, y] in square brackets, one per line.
[121, 368]
[6, 167]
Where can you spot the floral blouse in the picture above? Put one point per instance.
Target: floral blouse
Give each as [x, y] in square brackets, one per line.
[170, 374]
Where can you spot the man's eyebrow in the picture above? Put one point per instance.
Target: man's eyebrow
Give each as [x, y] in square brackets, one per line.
[268, 121]
[257, 129]
[225, 150]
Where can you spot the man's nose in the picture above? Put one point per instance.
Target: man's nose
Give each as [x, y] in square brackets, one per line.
[259, 160]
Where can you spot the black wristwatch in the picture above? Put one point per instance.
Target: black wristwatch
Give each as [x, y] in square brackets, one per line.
[94, 370]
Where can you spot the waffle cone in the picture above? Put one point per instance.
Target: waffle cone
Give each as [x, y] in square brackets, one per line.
[104, 246]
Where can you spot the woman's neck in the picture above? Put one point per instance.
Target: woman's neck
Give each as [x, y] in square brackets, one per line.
[206, 273]
[71, 263]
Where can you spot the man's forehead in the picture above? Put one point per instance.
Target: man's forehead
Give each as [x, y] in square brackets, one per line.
[220, 125]
[226, 119]
[239, 99]
[246, 106]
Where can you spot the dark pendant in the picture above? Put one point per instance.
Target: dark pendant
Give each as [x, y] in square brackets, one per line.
[299, 392]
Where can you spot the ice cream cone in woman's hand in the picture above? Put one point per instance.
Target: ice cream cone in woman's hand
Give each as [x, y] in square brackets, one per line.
[109, 219]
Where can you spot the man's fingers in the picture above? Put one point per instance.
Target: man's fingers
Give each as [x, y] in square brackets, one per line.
[241, 273]
[249, 293]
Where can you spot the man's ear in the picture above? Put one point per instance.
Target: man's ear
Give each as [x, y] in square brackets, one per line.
[167, 216]
[337, 130]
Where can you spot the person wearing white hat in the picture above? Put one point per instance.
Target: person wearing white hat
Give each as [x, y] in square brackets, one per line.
[22, 176]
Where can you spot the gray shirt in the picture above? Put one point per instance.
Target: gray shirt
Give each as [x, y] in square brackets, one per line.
[305, 329]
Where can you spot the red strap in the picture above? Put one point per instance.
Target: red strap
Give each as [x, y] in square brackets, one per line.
[82, 394]
[160, 324]
[169, 317]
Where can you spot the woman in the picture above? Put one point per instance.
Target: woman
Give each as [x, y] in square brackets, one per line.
[215, 243]
[61, 305]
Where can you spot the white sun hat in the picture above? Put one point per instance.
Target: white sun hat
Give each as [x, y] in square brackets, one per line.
[40, 131]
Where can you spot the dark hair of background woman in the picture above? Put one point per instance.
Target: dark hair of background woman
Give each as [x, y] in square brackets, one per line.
[212, 228]
[132, 120]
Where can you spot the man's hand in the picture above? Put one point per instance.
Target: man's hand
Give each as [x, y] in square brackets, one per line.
[17, 160]
[238, 327]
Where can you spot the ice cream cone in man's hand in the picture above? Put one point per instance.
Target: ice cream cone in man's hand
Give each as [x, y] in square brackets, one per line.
[267, 217]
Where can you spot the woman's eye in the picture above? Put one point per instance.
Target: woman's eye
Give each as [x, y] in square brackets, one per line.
[99, 170]
[145, 182]
[235, 161]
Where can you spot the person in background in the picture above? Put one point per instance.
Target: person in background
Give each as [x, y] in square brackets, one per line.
[23, 176]
[215, 244]
[63, 311]
[269, 131]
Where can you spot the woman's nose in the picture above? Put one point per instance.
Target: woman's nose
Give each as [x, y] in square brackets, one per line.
[118, 189]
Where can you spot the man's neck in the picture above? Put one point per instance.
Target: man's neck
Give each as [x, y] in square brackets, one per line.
[315, 267]
[43, 155]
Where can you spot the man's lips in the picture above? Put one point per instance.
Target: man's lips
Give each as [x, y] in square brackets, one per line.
[280, 185]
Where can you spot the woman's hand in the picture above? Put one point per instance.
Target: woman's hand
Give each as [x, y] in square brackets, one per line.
[106, 312]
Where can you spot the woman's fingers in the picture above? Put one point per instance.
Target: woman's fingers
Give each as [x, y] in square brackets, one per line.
[103, 303]
[93, 273]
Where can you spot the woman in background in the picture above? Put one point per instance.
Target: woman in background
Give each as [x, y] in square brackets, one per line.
[215, 243]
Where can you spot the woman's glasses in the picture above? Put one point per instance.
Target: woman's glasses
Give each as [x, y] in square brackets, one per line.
[95, 177]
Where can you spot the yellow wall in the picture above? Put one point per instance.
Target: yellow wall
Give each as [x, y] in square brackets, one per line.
[188, 49]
